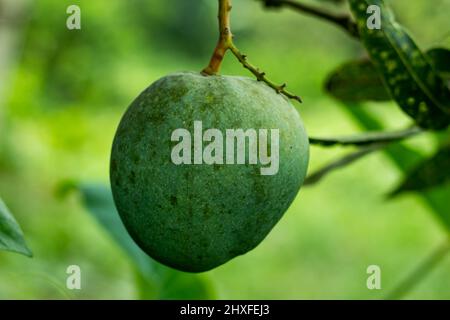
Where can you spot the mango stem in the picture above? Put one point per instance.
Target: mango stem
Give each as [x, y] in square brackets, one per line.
[225, 38]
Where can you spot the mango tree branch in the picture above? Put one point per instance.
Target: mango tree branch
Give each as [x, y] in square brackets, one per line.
[368, 138]
[343, 162]
[369, 144]
[226, 43]
[343, 21]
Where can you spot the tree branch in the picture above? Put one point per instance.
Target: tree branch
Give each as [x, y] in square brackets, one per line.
[342, 162]
[343, 21]
[368, 138]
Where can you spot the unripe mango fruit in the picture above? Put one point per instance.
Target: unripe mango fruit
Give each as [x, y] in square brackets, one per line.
[195, 217]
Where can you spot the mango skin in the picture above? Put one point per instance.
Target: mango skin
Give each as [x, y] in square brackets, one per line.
[196, 217]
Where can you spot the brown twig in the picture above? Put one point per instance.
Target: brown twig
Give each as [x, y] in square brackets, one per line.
[225, 38]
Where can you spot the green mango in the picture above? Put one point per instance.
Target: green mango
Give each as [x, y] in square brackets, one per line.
[187, 204]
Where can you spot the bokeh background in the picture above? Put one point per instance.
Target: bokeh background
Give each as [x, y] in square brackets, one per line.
[62, 94]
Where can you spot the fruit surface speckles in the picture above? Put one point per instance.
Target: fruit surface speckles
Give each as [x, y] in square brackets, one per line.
[197, 217]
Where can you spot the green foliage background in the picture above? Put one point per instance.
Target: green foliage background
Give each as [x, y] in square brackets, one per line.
[63, 93]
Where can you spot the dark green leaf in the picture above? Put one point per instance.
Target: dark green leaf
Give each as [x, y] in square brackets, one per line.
[428, 174]
[440, 59]
[357, 81]
[367, 138]
[11, 236]
[155, 281]
[406, 71]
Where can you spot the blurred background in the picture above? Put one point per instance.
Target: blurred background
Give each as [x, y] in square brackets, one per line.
[63, 92]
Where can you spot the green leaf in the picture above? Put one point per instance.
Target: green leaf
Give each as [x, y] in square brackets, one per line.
[367, 138]
[357, 81]
[440, 59]
[428, 174]
[154, 280]
[11, 236]
[406, 71]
